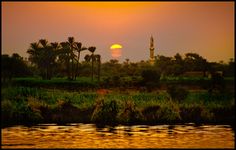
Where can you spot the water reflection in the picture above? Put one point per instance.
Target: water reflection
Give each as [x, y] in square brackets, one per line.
[138, 136]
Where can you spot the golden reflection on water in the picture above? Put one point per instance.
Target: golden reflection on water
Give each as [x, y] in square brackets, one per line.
[138, 136]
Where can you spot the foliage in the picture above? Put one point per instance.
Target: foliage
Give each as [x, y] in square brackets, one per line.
[130, 113]
[217, 83]
[32, 105]
[13, 66]
[150, 78]
[177, 93]
[105, 112]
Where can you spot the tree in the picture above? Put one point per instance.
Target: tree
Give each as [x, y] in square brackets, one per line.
[72, 56]
[13, 66]
[79, 49]
[150, 79]
[56, 49]
[69, 58]
[43, 56]
[178, 65]
[95, 58]
[92, 50]
[194, 62]
[163, 65]
[98, 60]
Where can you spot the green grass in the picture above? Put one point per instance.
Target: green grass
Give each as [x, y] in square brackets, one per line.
[25, 104]
[85, 83]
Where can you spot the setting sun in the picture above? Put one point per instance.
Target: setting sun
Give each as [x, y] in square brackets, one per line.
[116, 50]
[114, 46]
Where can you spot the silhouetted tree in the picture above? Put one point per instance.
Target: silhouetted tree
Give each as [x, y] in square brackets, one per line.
[195, 62]
[13, 66]
[43, 56]
[150, 78]
[163, 64]
[79, 49]
[92, 50]
[178, 65]
[72, 46]
[98, 60]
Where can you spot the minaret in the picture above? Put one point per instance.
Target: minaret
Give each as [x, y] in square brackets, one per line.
[152, 51]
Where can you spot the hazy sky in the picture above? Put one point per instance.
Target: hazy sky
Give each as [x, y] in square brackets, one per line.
[206, 28]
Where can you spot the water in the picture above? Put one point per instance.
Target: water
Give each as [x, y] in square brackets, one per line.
[138, 136]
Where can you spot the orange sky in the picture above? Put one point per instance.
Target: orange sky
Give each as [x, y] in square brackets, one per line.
[206, 28]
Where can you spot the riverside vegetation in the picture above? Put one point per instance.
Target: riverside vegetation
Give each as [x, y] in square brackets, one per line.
[31, 105]
[56, 88]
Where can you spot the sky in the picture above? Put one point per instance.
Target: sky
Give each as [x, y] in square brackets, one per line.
[205, 28]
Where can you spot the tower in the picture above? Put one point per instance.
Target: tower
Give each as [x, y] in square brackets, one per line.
[152, 51]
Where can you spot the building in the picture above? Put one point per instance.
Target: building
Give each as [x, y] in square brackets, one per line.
[152, 59]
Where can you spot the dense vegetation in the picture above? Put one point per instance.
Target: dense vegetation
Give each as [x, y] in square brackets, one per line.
[21, 105]
[55, 86]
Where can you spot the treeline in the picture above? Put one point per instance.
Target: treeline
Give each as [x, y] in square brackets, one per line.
[14, 66]
[51, 59]
[54, 59]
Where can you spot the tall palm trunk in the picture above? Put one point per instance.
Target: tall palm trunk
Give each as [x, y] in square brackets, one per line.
[72, 69]
[92, 65]
[99, 66]
[77, 66]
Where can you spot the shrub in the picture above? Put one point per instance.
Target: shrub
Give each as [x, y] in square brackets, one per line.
[217, 84]
[177, 93]
[195, 113]
[150, 79]
[7, 110]
[130, 113]
[105, 112]
[161, 114]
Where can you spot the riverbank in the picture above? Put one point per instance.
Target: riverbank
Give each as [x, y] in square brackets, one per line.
[22, 105]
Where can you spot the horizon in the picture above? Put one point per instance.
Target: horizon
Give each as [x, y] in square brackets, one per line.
[205, 28]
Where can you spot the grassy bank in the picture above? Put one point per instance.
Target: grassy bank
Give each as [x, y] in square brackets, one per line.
[25, 105]
[85, 83]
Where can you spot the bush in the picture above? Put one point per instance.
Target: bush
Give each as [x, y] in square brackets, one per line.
[130, 113]
[217, 84]
[150, 76]
[177, 93]
[6, 111]
[161, 114]
[105, 112]
[150, 79]
[195, 113]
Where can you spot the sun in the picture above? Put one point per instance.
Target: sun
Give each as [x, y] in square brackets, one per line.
[116, 50]
[114, 46]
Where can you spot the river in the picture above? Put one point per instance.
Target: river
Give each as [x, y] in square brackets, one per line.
[136, 136]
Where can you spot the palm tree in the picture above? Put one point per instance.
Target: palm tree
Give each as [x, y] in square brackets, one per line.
[56, 49]
[87, 58]
[64, 57]
[98, 60]
[48, 58]
[72, 45]
[42, 55]
[79, 48]
[34, 51]
[92, 50]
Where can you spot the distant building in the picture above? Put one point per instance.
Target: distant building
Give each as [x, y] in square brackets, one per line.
[152, 59]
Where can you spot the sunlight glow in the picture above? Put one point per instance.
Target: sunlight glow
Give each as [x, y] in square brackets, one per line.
[116, 50]
[115, 46]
